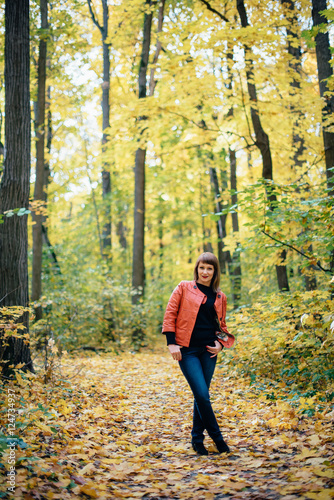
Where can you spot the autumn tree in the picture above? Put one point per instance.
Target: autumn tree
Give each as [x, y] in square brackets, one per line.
[14, 188]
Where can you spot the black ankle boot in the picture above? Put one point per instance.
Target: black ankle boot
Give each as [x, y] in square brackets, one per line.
[199, 448]
[222, 446]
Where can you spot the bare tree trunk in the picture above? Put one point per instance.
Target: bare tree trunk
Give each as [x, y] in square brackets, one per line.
[138, 264]
[325, 71]
[262, 142]
[294, 51]
[235, 264]
[158, 47]
[46, 238]
[51, 250]
[224, 256]
[121, 233]
[14, 187]
[39, 194]
[106, 176]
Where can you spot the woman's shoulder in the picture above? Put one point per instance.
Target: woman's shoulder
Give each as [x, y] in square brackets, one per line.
[186, 283]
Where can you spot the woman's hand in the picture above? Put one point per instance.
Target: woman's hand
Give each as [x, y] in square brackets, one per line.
[175, 351]
[215, 350]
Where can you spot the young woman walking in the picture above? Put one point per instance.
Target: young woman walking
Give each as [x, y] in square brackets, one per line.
[194, 325]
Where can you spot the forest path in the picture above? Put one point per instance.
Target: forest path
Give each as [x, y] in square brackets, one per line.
[124, 432]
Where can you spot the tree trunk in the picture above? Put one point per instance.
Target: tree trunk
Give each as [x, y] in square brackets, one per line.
[325, 71]
[294, 51]
[224, 256]
[138, 267]
[295, 67]
[121, 233]
[262, 141]
[14, 188]
[138, 264]
[39, 194]
[51, 250]
[106, 176]
[235, 264]
[158, 47]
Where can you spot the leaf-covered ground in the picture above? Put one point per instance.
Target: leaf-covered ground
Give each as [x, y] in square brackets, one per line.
[120, 428]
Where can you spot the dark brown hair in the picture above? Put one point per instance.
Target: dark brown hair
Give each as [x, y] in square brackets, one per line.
[209, 258]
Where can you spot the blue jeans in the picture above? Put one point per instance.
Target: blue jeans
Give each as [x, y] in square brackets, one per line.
[198, 368]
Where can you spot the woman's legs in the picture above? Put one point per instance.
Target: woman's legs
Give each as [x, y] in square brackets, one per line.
[198, 368]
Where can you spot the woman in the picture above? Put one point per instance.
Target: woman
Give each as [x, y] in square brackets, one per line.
[194, 318]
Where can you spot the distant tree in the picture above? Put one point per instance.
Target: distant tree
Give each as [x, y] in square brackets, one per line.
[106, 176]
[40, 186]
[14, 187]
[138, 265]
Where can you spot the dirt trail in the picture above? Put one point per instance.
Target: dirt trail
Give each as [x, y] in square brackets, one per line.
[125, 433]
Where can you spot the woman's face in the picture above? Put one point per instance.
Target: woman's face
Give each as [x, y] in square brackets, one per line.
[205, 273]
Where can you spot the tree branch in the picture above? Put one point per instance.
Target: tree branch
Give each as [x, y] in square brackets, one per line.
[158, 48]
[94, 19]
[192, 121]
[3, 298]
[214, 11]
[298, 251]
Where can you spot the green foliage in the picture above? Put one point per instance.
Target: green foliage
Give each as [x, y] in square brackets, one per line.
[287, 339]
[15, 211]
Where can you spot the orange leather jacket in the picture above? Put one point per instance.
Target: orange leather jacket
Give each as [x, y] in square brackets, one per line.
[182, 309]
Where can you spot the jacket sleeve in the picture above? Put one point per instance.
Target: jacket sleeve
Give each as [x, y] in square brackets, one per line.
[222, 322]
[172, 309]
[229, 341]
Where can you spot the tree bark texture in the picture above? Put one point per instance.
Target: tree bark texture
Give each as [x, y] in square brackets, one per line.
[14, 188]
[39, 193]
[324, 72]
[138, 264]
[138, 267]
[262, 140]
